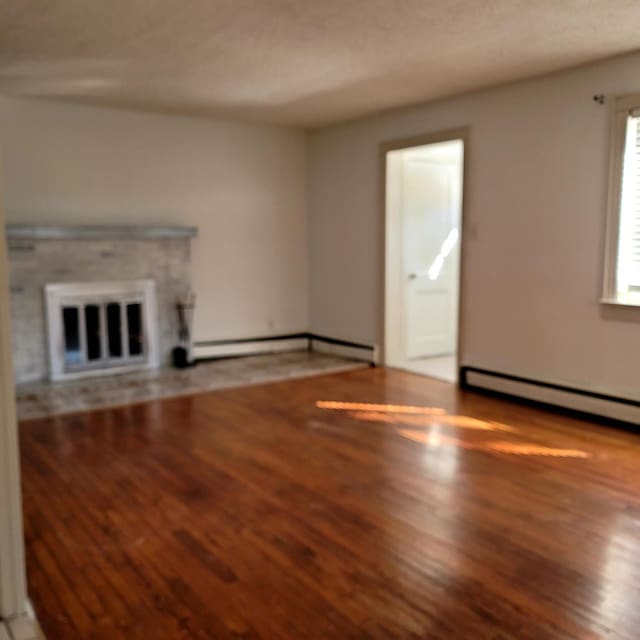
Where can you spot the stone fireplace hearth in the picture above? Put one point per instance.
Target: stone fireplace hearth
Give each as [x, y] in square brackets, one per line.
[42, 255]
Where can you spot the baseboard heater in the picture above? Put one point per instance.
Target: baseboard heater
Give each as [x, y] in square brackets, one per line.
[304, 341]
[346, 348]
[579, 401]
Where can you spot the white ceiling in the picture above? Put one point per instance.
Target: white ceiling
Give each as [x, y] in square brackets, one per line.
[296, 62]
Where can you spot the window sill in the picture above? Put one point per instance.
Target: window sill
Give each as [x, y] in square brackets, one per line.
[622, 301]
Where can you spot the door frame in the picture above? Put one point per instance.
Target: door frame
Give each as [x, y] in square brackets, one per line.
[13, 589]
[446, 135]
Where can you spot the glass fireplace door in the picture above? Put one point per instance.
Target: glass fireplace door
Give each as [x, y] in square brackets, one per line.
[99, 334]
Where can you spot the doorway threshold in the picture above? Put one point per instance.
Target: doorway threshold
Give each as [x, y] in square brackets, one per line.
[440, 367]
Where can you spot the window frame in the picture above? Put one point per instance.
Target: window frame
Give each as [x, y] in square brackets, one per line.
[622, 106]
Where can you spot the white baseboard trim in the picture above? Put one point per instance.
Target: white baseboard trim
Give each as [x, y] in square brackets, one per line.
[22, 627]
[579, 400]
[203, 350]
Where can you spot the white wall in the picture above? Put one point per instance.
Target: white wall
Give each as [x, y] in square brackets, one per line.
[243, 186]
[535, 220]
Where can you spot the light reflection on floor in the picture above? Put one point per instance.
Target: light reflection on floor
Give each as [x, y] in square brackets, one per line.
[427, 421]
[619, 572]
[368, 406]
[433, 440]
[433, 419]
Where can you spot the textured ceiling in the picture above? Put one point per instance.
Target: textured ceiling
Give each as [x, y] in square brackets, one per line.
[296, 62]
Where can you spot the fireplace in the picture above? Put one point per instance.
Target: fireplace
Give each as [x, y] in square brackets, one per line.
[101, 327]
[114, 288]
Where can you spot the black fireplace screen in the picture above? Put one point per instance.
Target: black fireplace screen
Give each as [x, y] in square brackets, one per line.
[109, 333]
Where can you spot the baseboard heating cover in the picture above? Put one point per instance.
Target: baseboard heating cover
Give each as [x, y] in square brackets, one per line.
[577, 400]
[288, 342]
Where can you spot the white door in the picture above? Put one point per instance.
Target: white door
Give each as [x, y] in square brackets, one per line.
[431, 207]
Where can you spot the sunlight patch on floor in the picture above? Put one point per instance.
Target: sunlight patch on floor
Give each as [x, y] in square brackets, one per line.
[368, 406]
[434, 418]
[438, 440]
[464, 422]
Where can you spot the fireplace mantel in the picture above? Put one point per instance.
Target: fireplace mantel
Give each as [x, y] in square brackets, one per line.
[97, 232]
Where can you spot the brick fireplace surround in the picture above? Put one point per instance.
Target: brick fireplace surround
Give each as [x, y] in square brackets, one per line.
[39, 255]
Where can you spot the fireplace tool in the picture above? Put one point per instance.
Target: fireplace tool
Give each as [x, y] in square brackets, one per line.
[183, 353]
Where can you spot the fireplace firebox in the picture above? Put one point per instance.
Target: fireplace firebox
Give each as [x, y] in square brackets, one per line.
[101, 327]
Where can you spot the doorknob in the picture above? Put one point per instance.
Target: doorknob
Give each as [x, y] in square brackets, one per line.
[412, 276]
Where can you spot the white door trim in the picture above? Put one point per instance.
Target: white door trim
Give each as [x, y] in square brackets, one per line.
[386, 328]
[13, 589]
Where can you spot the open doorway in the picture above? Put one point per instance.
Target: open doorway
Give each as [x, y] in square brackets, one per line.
[423, 221]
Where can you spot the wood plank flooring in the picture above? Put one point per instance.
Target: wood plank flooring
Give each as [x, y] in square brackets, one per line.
[368, 504]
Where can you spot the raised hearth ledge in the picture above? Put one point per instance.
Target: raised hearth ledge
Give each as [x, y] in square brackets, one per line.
[96, 232]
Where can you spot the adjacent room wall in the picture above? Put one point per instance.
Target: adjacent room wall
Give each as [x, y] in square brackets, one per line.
[534, 228]
[242, 185]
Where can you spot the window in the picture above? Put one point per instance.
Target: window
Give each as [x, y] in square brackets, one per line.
[622, 272]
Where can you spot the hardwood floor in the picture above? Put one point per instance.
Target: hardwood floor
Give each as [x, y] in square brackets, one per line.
[298, 510]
